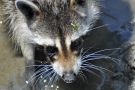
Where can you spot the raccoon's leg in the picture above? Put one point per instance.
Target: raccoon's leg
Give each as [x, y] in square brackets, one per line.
[28, 53]
[23, 37]
[17, 27]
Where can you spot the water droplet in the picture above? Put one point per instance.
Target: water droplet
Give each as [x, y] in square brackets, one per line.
[57, 87]
[52, 86]
[45, 81]
[41, 76]
[26, 82]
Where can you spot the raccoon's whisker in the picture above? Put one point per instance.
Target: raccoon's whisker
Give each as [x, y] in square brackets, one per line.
[36, 81]
[39, 73]
[34, 76]
[99, 27]
[94, 66]
[38, 66]
[51, 79]
[47, 77]
[55, 78]
[48, 74]
[83, 53]
[102, 80]
[100, 51]
[90, 71]
[95, 58]
[100, 57]
[40, 70]
[42, 74]
[102, 74]
[91, 56]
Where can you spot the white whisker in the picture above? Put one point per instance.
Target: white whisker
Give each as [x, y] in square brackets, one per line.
[88, 70]
[51, 79]
[100, 51]
[94, 66]
[38, 66]
[101, 72]
[95, 58]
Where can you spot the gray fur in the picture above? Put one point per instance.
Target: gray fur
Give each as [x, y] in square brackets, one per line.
[42, 26]
[24, 34]
[130, 56]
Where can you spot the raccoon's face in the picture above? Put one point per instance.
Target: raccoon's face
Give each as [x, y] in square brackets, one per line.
[58, 26]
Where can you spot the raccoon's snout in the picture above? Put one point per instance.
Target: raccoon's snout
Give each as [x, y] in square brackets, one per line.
[69, 77]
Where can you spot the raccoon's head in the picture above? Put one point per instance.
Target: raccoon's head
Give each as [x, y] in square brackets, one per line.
[58, 26]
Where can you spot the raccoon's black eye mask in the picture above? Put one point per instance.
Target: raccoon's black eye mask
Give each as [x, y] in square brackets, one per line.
[41, 53]
[51, 51]
[76, 45]
[80, 2]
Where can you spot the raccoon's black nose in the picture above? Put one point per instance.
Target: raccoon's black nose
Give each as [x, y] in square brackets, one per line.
[68, 77]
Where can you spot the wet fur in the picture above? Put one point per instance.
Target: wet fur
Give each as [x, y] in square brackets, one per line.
[24, 38]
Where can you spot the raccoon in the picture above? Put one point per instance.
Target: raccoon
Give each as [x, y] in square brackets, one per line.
[130, 44]
[50, 33]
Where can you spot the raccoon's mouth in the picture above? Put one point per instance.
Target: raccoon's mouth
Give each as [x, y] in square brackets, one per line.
[69, 77]
[69, 81]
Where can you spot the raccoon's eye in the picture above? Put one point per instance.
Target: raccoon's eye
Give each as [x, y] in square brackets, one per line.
[51, 50]
[76, 45]
[39, 53]
[81, 2]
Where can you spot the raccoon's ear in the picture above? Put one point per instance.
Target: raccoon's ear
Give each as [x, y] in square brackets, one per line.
[28, 8]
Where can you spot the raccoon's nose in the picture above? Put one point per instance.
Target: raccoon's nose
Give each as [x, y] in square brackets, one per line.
[69, 77]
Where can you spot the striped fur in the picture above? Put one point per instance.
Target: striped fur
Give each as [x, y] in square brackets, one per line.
[50, 23]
